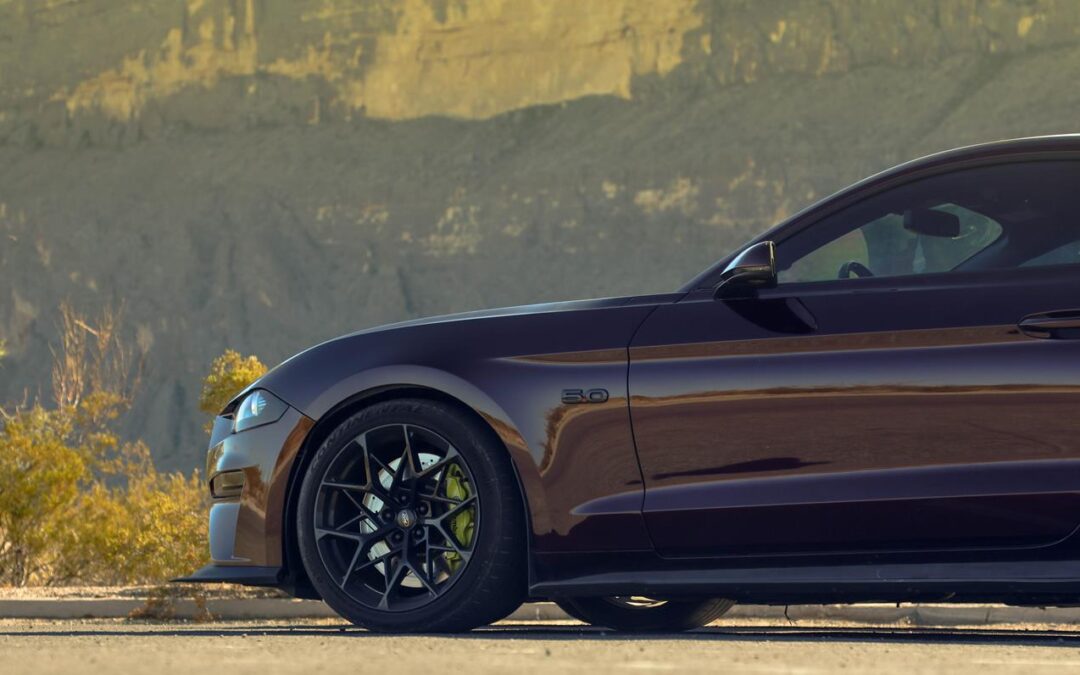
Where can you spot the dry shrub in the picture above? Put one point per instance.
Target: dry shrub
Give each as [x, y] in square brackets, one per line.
[161, 604]
[94, 360]
[147, 528]
[76, 503]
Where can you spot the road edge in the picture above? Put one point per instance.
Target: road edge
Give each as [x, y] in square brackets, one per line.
[269, 609]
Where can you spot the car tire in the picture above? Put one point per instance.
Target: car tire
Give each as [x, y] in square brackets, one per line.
[487, 586]
[645, 616]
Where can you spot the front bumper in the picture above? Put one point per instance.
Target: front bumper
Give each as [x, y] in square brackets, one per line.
[247, 530]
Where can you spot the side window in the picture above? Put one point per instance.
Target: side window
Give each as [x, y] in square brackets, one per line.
[887, 247]
[995, 217]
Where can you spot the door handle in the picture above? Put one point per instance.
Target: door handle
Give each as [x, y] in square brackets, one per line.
[1058, 325]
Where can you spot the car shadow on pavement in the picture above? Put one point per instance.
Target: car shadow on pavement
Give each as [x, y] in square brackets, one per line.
[535, 631]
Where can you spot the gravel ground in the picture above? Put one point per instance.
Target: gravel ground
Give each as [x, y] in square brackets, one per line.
[44, 647]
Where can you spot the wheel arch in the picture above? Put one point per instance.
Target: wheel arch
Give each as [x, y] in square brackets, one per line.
[295, 575]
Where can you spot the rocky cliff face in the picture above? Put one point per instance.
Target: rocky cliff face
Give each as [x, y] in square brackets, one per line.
[264, 174]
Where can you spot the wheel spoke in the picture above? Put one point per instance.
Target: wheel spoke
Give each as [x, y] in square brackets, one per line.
[456, 509]
[375, 561]
[417, 569]
[430, 558]
[440, 499]
[394, 574]
[455, 545]
[363, 538]
[351, 536]
[377, 488]
[346, 487]
[405, 464]
[361, 440]
[349, 522]
[352, 565]
[382, 465]
[411, 456]
[359, 504]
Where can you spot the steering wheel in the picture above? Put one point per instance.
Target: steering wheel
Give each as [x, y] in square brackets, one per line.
[861, 271]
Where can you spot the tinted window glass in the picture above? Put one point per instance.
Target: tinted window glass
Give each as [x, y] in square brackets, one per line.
[1067, 254]
[1007, 216]
[887, 248]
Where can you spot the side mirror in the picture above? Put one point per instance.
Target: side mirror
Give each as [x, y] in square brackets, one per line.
[753, 268]
[932, 223]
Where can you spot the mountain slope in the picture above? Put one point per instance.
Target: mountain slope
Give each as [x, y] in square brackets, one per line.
[265, 175]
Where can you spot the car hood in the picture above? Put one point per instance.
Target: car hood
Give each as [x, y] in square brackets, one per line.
[385, 342]
[518, 310]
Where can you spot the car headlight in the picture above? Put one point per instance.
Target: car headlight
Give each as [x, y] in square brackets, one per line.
[258, 408]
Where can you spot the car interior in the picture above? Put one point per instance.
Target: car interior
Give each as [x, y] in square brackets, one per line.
[989, 218]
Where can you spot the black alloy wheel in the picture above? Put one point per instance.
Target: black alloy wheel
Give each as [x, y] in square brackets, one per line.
[398, 504]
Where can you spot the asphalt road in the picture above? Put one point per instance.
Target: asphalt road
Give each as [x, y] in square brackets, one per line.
[45, 647]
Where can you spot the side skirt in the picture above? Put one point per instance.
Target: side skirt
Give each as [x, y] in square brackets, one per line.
[1013, 582]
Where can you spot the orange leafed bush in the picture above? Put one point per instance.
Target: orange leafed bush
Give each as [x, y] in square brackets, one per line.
[150, 529]
[229, 374]
[41, 474]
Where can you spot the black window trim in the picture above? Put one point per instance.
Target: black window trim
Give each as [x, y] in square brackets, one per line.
[859, 192]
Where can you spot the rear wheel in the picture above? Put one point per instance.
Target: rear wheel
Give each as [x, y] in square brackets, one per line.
[637, 614]
[410, 520]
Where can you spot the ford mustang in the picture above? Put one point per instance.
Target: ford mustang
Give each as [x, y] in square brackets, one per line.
[876, 400]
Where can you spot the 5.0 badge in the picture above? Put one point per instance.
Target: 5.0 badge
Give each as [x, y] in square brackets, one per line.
[572, 396]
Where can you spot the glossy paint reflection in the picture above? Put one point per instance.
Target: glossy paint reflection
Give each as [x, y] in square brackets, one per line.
[867, 441]
[249, 530]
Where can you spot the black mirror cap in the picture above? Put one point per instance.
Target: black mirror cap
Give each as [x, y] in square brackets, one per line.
[932, 223]
[752, 269]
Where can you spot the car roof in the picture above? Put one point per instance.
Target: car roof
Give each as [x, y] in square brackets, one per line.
[1033, 147]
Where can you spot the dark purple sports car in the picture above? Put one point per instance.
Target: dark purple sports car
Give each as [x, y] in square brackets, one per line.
[877, 400]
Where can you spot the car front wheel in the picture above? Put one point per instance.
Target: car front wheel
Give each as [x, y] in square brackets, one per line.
[634, 614]
[410, 520]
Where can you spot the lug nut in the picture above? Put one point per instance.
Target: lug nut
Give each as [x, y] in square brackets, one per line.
[422, 508]
[397, 537]
[418, 533]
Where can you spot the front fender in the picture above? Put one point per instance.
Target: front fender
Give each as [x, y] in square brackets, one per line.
[575, 459]
[358, 386]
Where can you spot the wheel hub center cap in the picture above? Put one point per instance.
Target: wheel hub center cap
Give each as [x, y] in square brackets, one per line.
[406, 518]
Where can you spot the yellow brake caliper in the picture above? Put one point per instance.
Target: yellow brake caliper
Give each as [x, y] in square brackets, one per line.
[463, 525]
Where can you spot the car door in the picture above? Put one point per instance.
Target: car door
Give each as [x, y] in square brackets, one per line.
[932, 406]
